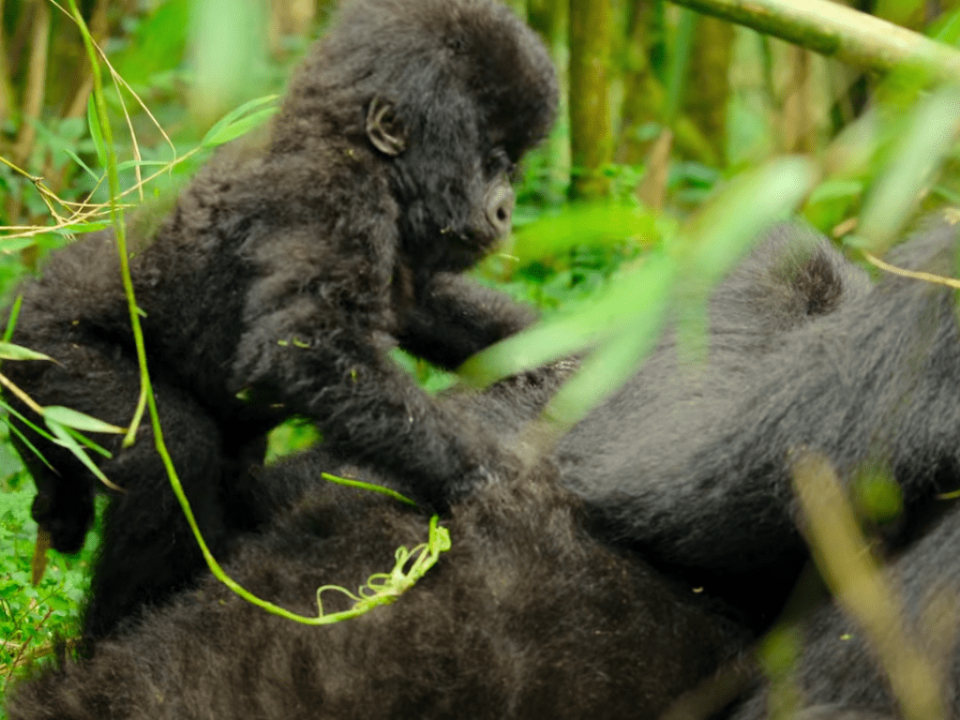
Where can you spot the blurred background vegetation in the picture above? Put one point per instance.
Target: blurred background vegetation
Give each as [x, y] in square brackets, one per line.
[662, 110]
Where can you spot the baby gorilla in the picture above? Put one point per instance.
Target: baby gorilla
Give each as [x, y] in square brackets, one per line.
[282, 278]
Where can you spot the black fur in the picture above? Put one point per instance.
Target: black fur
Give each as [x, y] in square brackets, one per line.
[838, 668]
[527, 616]
[286, 274]
[523, 617]
[702, 482]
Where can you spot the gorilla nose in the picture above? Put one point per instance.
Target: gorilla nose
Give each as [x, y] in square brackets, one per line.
[500, 209]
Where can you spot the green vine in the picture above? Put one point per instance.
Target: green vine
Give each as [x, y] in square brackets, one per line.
[349, 482]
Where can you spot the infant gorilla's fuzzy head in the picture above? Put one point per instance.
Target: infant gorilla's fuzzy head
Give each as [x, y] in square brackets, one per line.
[448, 94]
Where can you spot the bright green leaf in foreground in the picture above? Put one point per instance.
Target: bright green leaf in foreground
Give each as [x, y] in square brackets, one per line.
[9, 351]
[621, 324]
[240, 121]
[930, 135]
[78, 420]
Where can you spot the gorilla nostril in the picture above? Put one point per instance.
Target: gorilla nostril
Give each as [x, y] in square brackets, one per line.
[500, 209]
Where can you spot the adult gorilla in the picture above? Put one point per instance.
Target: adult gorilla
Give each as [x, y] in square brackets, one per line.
[527, 616]
[701, 485]
[839, 677]
[530, 615]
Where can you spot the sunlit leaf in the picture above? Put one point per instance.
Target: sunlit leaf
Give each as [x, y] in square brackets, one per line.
[597, 224]
[66, 440]
[239, 128]
[919, 153]
[726, 228]
[77, 159]
[240, 121]
[141, 163]
[610, 366]
[78, 420]
[25, 441]
[619, 305]
[13, 245]
[9, 351]
[12, 319]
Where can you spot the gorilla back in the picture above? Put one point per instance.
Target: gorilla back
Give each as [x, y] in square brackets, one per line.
[864, 377]
[527, 616]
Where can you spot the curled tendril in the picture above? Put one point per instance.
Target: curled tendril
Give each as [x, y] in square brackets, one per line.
[385, 588]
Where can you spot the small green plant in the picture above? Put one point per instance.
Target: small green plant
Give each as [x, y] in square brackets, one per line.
[33, 618]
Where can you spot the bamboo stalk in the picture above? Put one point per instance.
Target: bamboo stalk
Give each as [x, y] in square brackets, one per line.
[36, 81]
[838, 32]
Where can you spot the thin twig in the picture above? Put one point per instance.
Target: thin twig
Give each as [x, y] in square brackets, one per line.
[24, 398]
[914, 274]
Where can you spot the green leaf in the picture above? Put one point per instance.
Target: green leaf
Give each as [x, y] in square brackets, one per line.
[26, 441]
[595, 224]
[12, 320]
[9, 351]
[78, 420]
[126, 165]
[93, 122]
[723, 231]
[66, 440]
[612, 364]
[33, 426]
[12, 245]
[350, 482]
[81, 163]
[834, 189]
[628, 299]
[919, 154]
[239, 121]
[80, 437]
[87, 227]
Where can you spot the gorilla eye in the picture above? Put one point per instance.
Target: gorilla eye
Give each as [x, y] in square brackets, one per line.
[497, 162]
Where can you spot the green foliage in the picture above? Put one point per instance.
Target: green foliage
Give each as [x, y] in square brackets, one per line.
[291, 437]
[32, 618]
[877, 496]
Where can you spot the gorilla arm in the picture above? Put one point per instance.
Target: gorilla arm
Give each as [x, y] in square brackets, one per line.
[316, 339]
[456, 317]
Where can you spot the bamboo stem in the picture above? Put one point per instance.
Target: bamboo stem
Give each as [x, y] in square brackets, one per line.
[838, 32]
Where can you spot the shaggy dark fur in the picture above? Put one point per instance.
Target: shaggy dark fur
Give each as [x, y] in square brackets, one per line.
[284, 276]
[838, 668]
[702, 485]
[531, 615]
[528, 616]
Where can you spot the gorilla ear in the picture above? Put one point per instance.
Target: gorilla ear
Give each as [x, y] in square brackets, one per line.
[384, 128]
